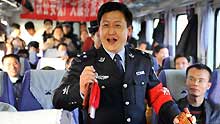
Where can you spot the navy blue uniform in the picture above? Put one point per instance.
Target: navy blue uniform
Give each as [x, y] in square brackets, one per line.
[122, 98]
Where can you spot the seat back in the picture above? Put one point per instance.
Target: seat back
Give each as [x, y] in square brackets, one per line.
[174, 80]
[6, 89]
[25, 65]
[57, 63]
[50, 116]
[38, 89]
[214, 91]
[168, 63]
[155, 64]
[53, 53]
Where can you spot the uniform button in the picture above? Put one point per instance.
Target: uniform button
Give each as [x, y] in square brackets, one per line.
[127, 103]
[142, 83]
[103, 87]
[73, 103]
[128, 119]
[125, 85]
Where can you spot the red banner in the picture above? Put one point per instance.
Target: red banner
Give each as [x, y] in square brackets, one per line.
[68, 10]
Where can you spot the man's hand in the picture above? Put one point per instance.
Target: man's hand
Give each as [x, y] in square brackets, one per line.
[87, 77]
[184, 118]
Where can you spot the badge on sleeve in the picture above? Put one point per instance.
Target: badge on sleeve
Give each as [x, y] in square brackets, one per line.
[101, 59]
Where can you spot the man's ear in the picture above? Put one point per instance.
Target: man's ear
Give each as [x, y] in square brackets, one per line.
[209, 85]
[129, 31]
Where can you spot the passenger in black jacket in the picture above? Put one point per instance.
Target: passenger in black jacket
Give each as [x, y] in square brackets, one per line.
[197, 83]
[124, 84]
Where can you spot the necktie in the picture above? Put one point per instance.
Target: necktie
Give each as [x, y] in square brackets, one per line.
[117, 60]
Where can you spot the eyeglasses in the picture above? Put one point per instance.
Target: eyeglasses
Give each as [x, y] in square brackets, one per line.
[199, 81]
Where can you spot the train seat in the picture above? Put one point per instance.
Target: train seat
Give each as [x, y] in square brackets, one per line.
[38, 89]
[174, 80]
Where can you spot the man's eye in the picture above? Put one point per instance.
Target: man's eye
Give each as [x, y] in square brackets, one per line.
[118, 26]
[105, 25]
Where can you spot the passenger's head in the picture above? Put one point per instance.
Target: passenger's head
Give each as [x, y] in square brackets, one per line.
[84, 35]
[67, 27]
[115, 21]
[23, 53]
[198, 78]
[15, 30]
[181, 61]
[29, 26]
[142, 46]
[93, 27]
[33, 46]
[58, 32]
[18, 44]
[15, 26]
[160, 52]
[62, 47]
[48, 23]
[11, 65]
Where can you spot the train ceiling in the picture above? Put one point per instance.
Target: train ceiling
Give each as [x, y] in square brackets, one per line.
[138, 7]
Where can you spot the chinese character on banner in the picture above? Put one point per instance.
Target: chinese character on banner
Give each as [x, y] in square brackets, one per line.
[68, 10]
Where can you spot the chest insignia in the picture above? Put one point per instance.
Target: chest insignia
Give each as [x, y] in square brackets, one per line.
[101, 77]
[140, 73]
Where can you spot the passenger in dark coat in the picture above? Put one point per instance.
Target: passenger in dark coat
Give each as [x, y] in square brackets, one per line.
[197, 83]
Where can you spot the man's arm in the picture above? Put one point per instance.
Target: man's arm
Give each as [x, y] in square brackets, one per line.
[67, 95]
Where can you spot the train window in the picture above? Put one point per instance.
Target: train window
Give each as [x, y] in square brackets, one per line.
[181, 23]
[217, 41]
[156, 21]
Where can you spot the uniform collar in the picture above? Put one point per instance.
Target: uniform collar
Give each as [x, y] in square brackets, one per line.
[121, 53]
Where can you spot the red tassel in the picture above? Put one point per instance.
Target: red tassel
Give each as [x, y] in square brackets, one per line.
[94, 99]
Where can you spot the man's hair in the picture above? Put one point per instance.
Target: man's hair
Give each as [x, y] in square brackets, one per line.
[29, 25]
[15, 25]
[34, 44]
[200, 66]
[10, 56]
[115, 6]
[48, 20]
[63, 44]
[181, 55]
[158, 48]
[23, 53]
[58, 27]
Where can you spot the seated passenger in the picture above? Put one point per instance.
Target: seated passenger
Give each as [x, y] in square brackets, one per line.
[197, 83]
[62, 51]
[160, 52]
[12, 66]
[181, 61]
[33, 49]
[58, 37]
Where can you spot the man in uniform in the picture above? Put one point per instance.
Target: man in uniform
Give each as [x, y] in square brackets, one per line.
[125, 76]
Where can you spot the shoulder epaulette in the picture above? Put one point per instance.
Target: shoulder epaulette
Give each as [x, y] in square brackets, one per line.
[145, 54]
[84, 56]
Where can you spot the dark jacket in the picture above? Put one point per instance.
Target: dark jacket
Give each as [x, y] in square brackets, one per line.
[212, 112]
[122, 99]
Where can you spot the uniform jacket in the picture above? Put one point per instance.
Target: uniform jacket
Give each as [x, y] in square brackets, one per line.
[122, 98]
[212, 112]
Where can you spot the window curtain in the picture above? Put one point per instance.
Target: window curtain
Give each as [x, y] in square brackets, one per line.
[206, 34]
[188, 40]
